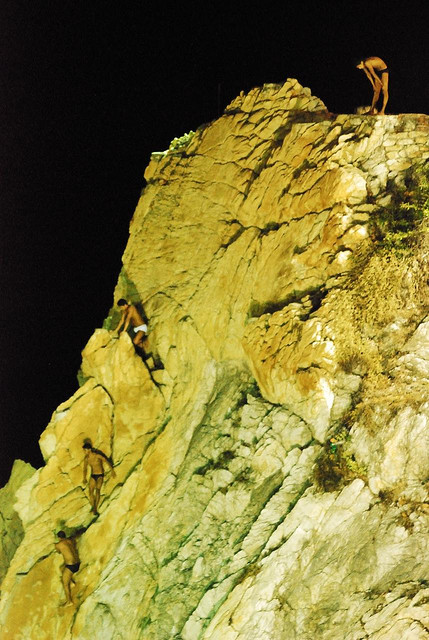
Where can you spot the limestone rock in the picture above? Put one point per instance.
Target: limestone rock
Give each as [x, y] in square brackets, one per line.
[11, 525]
[270, 454]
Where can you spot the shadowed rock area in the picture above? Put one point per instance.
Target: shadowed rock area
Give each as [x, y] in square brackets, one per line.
[11, 525]
[272, 454]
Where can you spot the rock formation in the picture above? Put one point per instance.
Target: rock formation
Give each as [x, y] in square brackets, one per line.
[272, 460]
[11, 525]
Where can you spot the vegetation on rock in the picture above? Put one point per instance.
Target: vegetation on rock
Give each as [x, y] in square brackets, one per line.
[402, 225]
[180, 143]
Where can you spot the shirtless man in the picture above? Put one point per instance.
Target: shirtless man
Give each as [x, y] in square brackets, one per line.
[378, 74]
[130, 315]
[95, 459]
[67, 547]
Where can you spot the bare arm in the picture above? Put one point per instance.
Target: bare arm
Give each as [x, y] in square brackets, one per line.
[369, 76]
[127, 319]
[373, 77]
[111, 466]
[121, 322]
[85, 469]
[102, 458]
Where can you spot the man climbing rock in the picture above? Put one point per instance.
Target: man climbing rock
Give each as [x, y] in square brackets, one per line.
[377, 73]
[67, 548]
[95, 459]
[130, 315]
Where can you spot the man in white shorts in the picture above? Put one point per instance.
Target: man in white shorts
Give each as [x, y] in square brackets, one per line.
[130, 315]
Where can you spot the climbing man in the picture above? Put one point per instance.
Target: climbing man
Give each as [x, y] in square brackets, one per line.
[67, 547]
[130, 315]
[95, 459]
[378, 74]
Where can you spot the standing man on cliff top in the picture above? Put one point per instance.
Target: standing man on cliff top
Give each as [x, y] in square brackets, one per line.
[67, 548]
[377, 73]
[95, 459]
[130, 315]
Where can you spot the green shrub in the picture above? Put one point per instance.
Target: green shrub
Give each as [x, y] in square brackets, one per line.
[179, 144]
[398, 227]
[336, 466]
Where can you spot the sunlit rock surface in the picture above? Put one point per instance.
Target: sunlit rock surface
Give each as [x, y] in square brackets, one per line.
[272, 461]
[10, 523]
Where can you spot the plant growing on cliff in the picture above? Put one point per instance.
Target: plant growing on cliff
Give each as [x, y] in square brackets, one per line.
[179, 144]
[336, 466]
[387, 288]
[402, 224]
[382, 301]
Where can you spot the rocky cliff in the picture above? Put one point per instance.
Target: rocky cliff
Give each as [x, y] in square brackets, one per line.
[272, 455]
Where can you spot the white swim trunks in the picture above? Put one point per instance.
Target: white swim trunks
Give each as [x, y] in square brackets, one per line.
[142, 327]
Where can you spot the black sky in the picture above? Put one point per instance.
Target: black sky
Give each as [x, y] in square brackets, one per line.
[88, 90]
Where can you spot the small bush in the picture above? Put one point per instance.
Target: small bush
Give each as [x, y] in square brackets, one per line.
[400, 226]
[179, 144]
[353, 363]
[336, 466]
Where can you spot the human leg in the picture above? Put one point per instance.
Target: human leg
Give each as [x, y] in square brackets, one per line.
[377, 88]
[95, 484]
[385, 83]
[91, 487]
[138, 339]
[66, 579]
[98, 485]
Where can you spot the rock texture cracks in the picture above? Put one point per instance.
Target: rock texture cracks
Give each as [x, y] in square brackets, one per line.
[272, 464]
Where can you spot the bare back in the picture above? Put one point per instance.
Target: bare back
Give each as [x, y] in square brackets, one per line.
[135, 318]
[376, 63]
[95, 461]
[67, 548]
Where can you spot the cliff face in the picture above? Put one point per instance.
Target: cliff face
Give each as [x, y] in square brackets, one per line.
[10, 523]
[271, 468]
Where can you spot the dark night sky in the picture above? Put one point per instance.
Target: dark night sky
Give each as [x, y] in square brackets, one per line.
[88, 90]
